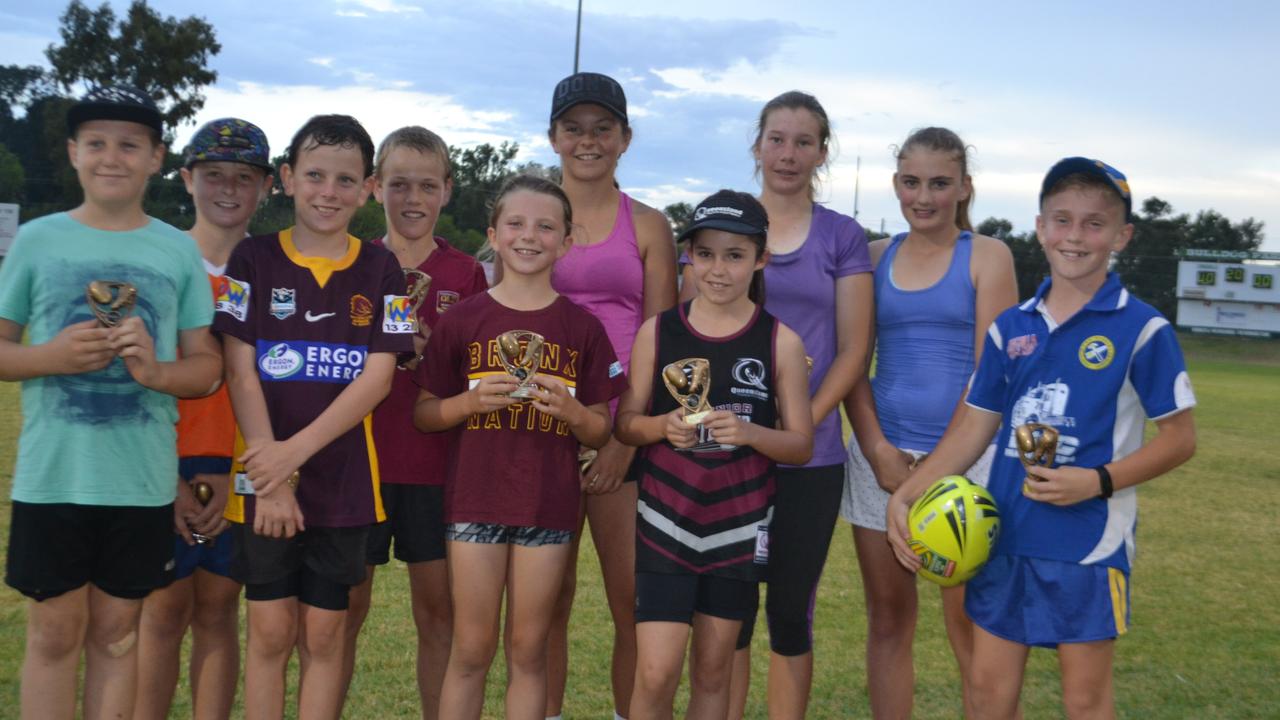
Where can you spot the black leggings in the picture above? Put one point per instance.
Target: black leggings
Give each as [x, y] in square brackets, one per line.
[804, 517]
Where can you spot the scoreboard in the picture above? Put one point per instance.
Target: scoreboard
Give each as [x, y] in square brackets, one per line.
[1240, 297]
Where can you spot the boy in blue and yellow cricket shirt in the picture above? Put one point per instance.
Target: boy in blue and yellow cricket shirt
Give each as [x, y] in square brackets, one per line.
[1088, 359]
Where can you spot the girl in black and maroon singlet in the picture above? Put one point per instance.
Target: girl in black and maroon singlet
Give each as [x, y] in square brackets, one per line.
[706, 489]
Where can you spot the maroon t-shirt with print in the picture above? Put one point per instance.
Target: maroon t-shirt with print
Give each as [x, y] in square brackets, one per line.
[406, 456]
[517, 466]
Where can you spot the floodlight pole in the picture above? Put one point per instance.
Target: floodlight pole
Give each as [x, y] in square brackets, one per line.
[857, 185]
[577, 39]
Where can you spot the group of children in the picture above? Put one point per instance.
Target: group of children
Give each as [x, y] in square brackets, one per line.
[337, 416]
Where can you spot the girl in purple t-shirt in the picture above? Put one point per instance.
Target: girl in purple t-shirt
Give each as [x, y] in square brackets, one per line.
[938, 289]
[819, 284]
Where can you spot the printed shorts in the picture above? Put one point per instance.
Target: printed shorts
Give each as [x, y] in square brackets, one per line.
[498, 534]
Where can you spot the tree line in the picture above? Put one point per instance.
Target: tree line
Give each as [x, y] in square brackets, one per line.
[169, 58]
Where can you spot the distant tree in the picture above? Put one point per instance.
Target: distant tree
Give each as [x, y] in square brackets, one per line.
[679, 215]
[12, 177]
[1029, 262]
[536, 169]
[165, 56]
[478, 174]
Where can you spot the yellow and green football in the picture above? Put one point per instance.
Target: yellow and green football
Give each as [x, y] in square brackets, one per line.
[954, 525]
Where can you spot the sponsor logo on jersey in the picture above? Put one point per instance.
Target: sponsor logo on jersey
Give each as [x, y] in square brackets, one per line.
[397, 315]
[615, 369]
[316, 317]
[1022, 346]
[310, 361]
[232, 297]
[361, 310]
[444, 300]
[282, 303]
[280, 361]
[1097, 352]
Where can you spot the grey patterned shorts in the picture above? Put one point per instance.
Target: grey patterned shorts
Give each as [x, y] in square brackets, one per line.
[497, 534]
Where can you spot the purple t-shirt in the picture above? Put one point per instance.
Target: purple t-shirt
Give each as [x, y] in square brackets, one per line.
[800, 290]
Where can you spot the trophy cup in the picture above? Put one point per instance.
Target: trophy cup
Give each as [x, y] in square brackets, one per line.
[689, 382]
[1037, 447]
[417, 283]
[111, 300]
[204, 493]
[586, 456]
[520, 352]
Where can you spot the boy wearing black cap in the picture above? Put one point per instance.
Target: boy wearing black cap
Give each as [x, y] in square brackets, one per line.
[116, 312]
[227, 170]
[1091, 363]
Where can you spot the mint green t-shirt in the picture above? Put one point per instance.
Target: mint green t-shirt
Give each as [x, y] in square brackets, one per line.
[99, 438]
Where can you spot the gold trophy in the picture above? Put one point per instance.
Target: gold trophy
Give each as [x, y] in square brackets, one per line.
[417, 283]
[1037, 447]
[689, 382]
[204, 493]
[586, 456]
[111, 300]
[520, 352]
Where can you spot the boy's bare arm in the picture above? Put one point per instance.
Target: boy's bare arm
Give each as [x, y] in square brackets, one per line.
[78, 348]
[271, 464]
[195, 373]
[247, 400]
[1174, 443]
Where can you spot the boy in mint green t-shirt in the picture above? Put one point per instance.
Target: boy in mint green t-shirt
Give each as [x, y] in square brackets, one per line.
[93, 488]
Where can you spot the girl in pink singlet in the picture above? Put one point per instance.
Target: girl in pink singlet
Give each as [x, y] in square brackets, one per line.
[622, 268]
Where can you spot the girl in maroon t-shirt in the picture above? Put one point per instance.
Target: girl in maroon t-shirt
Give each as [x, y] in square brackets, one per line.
[512, 489]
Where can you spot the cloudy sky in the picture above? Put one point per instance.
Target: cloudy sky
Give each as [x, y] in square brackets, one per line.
[1180, 96]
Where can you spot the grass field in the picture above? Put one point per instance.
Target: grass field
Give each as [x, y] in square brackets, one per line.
[1205, 641]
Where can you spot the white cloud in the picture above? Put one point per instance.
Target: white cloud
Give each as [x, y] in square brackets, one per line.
[281, 109]
[383, 6]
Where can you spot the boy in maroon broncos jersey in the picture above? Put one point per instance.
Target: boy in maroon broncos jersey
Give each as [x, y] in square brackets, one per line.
[312, 320]
[413, 179]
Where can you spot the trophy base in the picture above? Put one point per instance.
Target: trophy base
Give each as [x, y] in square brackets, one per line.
[697, 417]
[521, 393]
[203, 539]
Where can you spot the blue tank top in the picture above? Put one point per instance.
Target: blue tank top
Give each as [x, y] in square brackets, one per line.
[924, 349]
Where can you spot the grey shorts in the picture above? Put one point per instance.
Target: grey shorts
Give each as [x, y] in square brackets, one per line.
[498, 534]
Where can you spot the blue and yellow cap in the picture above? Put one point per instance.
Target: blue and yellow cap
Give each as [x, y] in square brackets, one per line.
[1088, 166]
[229, 140]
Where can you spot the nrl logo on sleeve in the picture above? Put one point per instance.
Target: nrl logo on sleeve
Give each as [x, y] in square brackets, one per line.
[232, 297]
[282, 303]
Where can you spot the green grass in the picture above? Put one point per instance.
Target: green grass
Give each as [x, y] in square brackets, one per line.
[1205, 641]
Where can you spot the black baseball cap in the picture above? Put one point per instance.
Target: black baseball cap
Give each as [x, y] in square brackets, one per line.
[731, 211]
[1088, 166]
[589, 87]
[115, 102]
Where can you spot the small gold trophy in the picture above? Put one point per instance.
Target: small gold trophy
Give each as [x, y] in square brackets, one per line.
[204, 493]
[417, 283]
[111, 300]
[1037, 447]
[520, 352]
[689, 382]
[586, 456]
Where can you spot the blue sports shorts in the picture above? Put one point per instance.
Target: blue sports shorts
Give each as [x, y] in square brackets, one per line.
[1044, 603]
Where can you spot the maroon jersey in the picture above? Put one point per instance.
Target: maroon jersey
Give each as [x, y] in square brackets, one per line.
[312, 322]
[518, 466]
[405, 455]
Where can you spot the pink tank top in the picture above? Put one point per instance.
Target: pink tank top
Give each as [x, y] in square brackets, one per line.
[607, 279]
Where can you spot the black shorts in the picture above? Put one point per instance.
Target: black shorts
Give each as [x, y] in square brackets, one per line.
[55, 548]
[318, 566]
[675, 598]
[415, 518]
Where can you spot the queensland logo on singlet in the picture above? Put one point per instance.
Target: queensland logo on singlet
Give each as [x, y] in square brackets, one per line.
[232, 297]
[750, 372]
[297, 361]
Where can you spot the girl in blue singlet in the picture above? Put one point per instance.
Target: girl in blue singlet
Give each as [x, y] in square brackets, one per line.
[938, 288]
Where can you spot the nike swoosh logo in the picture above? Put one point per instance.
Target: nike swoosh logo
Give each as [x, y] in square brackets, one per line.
[321, 316]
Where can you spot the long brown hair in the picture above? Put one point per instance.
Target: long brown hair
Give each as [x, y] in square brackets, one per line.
[943, 140]
[797, 100]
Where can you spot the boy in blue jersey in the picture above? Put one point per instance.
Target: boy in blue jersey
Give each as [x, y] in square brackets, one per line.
[1086, 358]
[93, 490]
